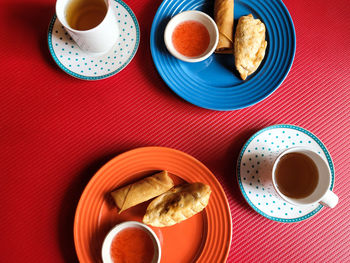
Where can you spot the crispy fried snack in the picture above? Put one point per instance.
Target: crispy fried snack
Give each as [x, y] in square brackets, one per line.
[176, 205]
[250, 45]
[223, 16]
[142, 190]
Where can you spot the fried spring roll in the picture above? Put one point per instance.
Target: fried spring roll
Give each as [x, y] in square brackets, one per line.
[142, 190]
[250, 45]
[223, 15]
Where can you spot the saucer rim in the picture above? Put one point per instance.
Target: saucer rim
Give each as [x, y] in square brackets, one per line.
[84, 77]
[287, 126]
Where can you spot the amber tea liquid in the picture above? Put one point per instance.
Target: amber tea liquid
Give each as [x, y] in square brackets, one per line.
[296, 175]
[85, 14]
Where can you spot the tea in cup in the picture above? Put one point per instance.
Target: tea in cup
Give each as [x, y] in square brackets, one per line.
[301, 176]
[90, 23]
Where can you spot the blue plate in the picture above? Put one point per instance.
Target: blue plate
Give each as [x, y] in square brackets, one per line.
[215, 83]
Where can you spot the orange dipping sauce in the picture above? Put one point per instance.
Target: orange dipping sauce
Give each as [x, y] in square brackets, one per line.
[132, 245]
[191, 38]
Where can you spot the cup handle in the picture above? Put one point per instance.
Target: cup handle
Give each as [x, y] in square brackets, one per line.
[330, 199]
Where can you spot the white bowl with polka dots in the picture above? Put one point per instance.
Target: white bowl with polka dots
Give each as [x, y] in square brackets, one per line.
[255, 163]
[88, 66]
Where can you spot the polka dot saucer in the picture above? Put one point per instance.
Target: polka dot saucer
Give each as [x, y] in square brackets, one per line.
[72, 60]
[256, 158]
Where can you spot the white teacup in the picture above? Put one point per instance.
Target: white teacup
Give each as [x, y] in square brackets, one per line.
[321, 193]
[99, 39]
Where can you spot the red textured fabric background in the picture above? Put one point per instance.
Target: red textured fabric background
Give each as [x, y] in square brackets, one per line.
[57, 131]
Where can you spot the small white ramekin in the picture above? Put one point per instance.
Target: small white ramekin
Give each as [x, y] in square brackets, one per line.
[107, 243]
[198, 16]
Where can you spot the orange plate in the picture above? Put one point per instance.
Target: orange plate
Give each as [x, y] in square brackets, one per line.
[205, 237]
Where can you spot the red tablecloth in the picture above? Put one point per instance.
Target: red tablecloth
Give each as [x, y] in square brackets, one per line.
[57, 131]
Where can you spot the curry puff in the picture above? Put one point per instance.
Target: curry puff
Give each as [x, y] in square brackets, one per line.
[250, 45]
[176, 205]
[223, 16]
[142, 190]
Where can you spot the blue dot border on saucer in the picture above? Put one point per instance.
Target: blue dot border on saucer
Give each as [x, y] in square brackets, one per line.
[322, 146]
[98, 76]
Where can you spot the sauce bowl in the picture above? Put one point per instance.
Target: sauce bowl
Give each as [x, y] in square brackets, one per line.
[107, 243]
[197, 16]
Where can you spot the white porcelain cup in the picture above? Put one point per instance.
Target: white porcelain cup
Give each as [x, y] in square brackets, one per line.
[321, 194]
[99, 39]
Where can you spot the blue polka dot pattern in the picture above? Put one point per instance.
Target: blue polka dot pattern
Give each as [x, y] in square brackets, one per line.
[68, 55]
[257, 189]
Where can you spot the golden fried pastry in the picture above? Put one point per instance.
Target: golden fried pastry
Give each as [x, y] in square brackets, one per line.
[142, 190]
[223, 15]
[250, 45]
[178, 204]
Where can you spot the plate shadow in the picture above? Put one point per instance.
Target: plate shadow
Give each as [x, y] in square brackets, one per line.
[69, 205]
